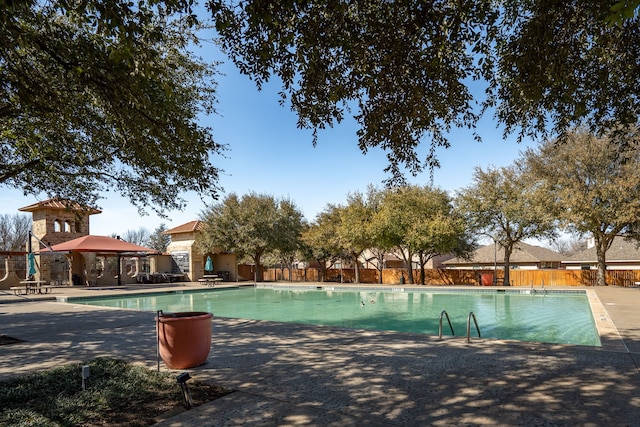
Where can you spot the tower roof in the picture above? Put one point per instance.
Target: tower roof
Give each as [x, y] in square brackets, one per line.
[60, 204]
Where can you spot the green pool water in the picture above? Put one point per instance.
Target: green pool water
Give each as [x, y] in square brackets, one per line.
[549, 318]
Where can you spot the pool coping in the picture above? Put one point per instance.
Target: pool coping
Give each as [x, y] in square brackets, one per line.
[610, 338]
[71, 299]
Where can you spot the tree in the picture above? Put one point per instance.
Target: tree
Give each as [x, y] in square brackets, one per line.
[441, 231]
[14, 232]
[420, 223]
[354, 232]
[104, 95]
[561, 64]
[158, 240]
[251, 226]
[139, 237]
[402, 65]
[595, 185]
[407, 67]
[377, 251]
[320, 239]
[506, 205]
[568, 247]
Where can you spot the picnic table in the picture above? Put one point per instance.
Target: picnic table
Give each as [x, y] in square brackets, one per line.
[31, 287]
[210, 279]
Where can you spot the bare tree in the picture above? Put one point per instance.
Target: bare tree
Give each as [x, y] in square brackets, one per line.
[139, 237]
[569, 246]
[14, 232]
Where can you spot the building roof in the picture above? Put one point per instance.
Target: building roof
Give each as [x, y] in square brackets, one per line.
[60, 204]
[522, 253]
[621, 250]
[189, 227]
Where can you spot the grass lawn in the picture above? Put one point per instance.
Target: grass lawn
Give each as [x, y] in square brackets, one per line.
[116, 394]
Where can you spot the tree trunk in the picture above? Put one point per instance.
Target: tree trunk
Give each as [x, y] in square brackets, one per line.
[356, 267]
[407, 260]
[380, 268]
[423, 262]
[259, 273]
[323, 269]
[507, 264]
[601, 251]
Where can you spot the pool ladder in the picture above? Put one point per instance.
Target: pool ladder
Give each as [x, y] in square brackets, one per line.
[444, 314]
[542, 289]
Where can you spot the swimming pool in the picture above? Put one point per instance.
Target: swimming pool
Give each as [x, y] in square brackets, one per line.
[554, 317]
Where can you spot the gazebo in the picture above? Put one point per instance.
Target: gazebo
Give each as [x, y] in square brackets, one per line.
[99, 245]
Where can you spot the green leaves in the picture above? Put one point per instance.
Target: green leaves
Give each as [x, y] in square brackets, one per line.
[595, 180]
[622, 11]
[401, 65]
[593, 184]
[104, 96]
[405, 69]
[507, 205]
[560, 66]
[251, 225]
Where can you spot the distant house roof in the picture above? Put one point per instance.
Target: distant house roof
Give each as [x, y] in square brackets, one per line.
[392, 257]
[522, 253]
[189, 227]
[59, 204]
[621, 250]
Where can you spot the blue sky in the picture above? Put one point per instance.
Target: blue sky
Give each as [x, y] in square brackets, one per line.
[268, 154]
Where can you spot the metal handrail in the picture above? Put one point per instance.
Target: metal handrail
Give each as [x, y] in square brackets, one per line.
[469, 326]
[444, 313]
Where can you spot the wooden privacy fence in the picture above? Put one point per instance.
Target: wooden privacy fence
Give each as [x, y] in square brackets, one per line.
[536, 278]
[624, 278]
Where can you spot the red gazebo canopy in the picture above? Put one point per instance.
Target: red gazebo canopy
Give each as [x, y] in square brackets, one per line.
[98, 244]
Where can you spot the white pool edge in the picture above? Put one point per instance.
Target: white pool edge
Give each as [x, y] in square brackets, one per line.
[610, 338]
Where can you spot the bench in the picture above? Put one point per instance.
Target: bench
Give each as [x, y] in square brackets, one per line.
[32, 288]
[210, 281]
[20, 290]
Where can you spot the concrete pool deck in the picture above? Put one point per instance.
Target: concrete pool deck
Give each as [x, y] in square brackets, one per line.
[286, 374]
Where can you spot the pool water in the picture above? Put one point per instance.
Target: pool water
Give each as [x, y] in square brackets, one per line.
[549, 318]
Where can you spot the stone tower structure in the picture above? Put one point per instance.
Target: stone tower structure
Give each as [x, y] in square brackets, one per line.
[55, 221]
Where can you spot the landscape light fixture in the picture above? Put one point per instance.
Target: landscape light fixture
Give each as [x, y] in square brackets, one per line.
[186, 393]
[85, 375]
